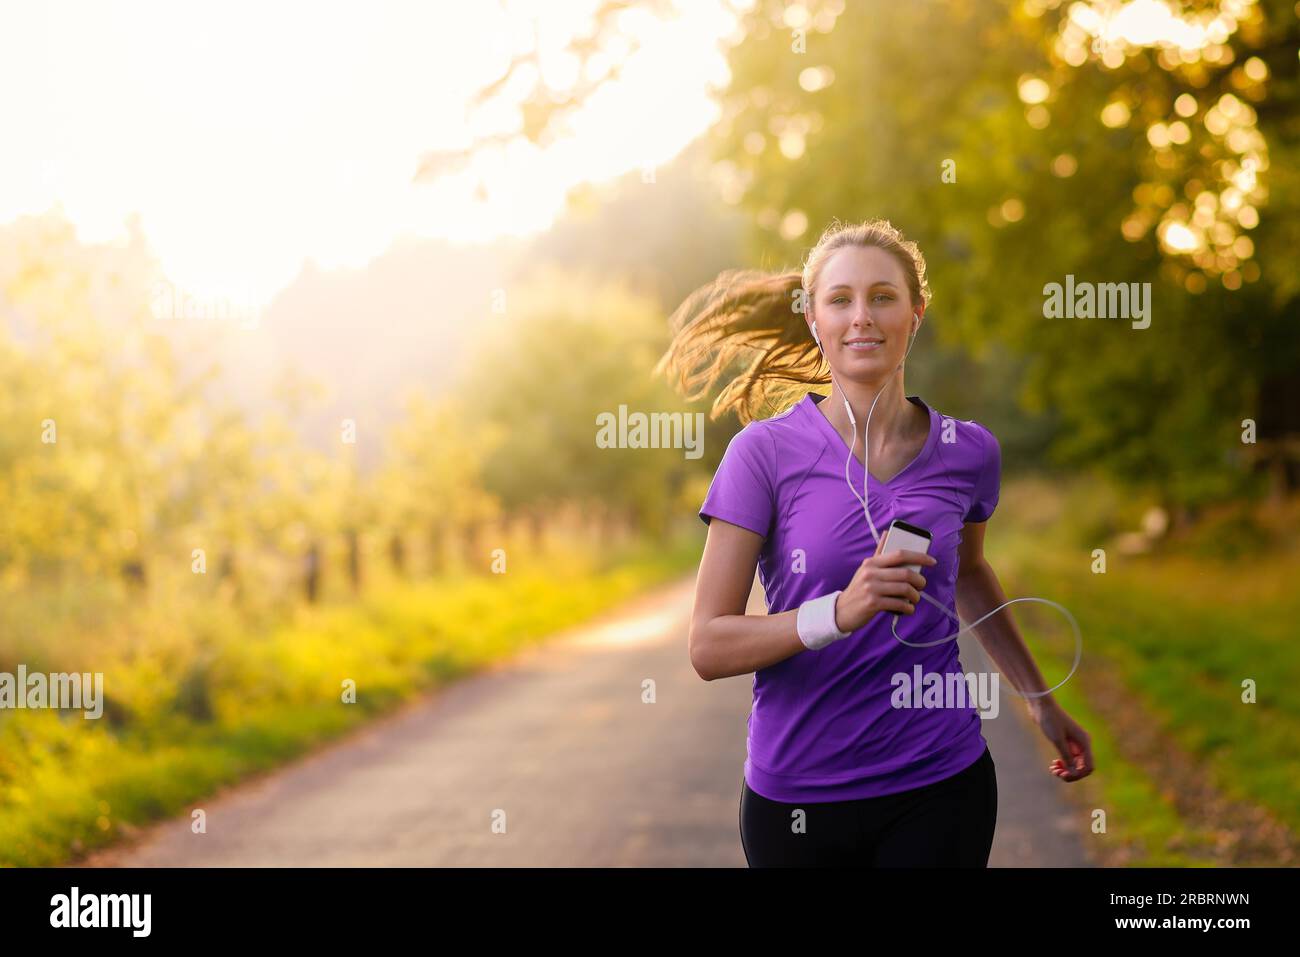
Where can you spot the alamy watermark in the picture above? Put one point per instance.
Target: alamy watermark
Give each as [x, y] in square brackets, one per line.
[75, 909]
[654, 430]
[60, 690]
[931, 689]
[171, 302]
[1107, 300]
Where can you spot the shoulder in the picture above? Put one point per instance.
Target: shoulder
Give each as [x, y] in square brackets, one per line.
[981, 433]
[791, 430]
[751, 453]
[775, 437]
[753, 441]
[970, 438]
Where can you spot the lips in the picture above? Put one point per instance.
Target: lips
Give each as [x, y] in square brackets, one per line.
[864, 343]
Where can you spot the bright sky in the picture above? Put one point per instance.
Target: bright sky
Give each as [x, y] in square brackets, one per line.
[249, 136]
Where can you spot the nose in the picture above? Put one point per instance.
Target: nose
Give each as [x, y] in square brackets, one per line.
[862, 317]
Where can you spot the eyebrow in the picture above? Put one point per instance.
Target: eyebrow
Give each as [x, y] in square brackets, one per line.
[878, 282]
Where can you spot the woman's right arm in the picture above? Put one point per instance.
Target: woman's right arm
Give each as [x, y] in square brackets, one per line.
[724, 641]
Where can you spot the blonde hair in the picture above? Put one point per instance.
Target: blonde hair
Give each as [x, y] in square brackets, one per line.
[755, 315]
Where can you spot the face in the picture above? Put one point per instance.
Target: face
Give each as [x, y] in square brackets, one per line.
[864, 312]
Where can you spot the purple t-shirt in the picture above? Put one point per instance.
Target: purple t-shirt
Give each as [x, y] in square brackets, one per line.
[822, 727]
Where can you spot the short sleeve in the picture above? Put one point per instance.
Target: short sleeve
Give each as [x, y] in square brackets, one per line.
[742, 491]
[984, 496]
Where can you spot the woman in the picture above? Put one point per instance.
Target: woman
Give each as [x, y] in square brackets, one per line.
[841, 768]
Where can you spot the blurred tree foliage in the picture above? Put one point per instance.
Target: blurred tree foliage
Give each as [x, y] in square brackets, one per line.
[429, 486]
[566, 347]
[114, 462]
[117, 464]
[1065, 159]
[1118, 141]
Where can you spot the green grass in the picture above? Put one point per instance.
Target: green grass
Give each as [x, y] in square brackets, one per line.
[199, 708]
[1178, 630]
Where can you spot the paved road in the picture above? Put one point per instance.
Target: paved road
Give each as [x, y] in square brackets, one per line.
[586, 773]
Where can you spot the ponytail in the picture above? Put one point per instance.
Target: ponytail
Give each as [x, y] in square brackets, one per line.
[753, 322]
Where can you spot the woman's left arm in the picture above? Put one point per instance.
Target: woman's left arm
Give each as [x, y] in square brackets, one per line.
[978, 593]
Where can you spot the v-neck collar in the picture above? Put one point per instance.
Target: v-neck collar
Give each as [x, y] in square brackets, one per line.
[836, 442]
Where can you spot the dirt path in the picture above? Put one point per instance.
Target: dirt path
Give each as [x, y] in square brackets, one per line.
[585, 772]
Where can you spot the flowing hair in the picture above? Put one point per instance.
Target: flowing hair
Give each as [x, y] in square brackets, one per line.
[752, 322]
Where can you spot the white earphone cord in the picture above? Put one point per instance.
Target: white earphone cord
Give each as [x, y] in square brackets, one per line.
[1078, 635]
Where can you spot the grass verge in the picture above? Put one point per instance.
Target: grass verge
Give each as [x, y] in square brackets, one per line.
[193, 709]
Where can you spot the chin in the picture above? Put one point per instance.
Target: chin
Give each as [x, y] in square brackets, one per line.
[869, 361]
[868, 374]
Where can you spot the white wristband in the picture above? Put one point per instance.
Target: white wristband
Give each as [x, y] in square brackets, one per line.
[816, 622]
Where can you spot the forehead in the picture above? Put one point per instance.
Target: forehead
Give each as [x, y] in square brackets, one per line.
[861, 266]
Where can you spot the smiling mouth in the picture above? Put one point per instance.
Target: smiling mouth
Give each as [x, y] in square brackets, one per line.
[864, 345]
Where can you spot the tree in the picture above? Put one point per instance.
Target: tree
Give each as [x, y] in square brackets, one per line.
[569, 348]
[1063, 158]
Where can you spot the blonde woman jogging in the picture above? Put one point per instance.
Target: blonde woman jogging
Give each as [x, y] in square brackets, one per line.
[843, 769]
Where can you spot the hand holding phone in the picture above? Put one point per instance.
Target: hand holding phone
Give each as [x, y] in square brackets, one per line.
[889, 580]
[904, 536]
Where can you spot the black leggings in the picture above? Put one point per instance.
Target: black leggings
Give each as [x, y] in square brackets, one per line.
[949, 823]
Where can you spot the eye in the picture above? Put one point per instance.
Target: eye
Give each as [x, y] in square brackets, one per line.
[884, 295]
[839, 299]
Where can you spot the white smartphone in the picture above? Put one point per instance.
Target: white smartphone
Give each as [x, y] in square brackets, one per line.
[904, 536]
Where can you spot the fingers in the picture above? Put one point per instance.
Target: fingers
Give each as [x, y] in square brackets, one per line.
[897, 605]
[916, 579]
[903, 557]
[1085, 758]
[895, 587]
[1064, 764]
[896, 596]
[1077, 761]
[898, 589]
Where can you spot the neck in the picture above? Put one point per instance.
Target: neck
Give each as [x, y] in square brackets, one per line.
[894, 419]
